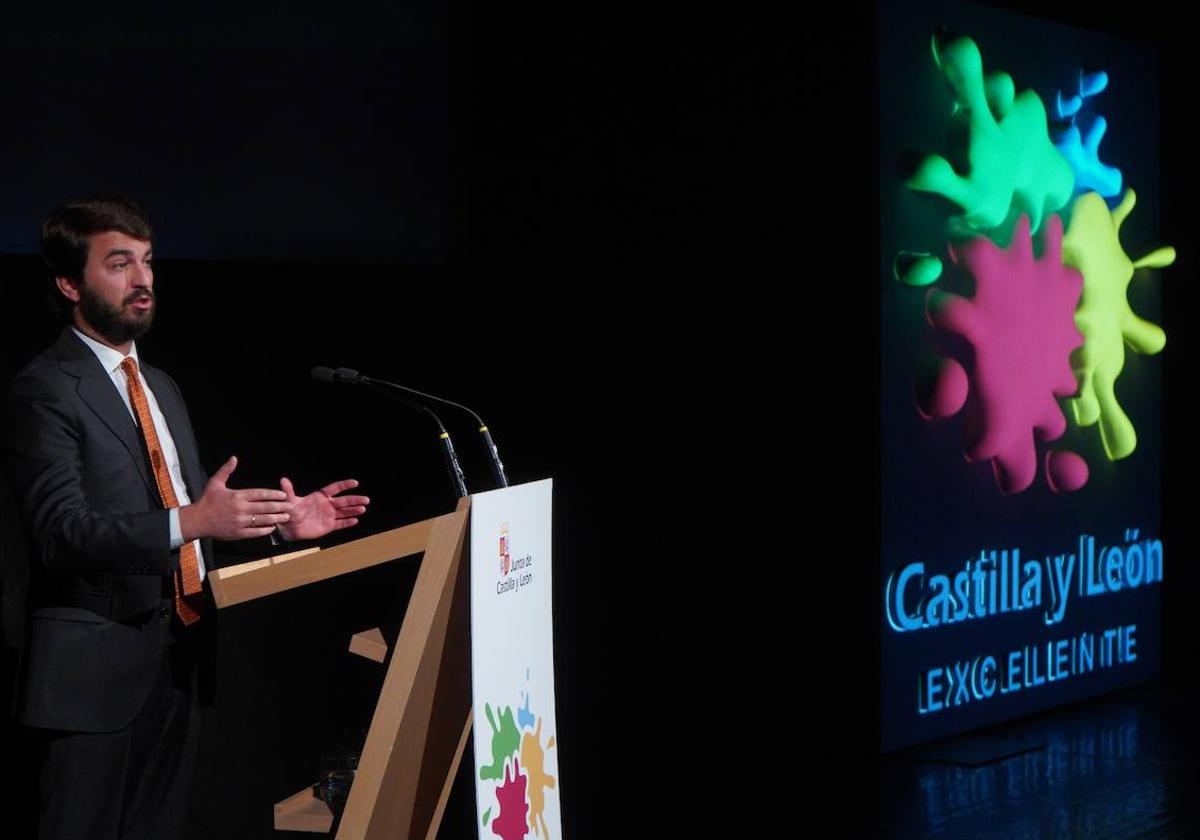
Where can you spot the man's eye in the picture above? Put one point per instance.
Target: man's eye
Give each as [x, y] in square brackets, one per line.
[119, 266]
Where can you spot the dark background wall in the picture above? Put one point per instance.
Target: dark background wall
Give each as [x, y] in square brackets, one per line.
[577, 221]
[248, 128]
[622, 236]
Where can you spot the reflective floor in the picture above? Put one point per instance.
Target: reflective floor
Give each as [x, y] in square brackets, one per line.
[1123, 766]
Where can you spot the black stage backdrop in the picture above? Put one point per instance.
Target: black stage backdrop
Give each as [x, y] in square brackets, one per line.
[620, 234]
[578, 222]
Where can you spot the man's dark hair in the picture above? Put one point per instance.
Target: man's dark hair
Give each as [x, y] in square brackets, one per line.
[66, 230]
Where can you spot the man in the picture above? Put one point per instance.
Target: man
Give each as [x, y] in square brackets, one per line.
[119, 516]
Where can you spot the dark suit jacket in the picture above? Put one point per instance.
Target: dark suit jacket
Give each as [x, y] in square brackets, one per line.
[98, 538]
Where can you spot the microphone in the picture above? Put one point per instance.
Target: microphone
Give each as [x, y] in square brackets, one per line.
[329, 375]
[352, 377]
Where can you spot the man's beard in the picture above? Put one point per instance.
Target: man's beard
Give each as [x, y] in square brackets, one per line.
[112, 322]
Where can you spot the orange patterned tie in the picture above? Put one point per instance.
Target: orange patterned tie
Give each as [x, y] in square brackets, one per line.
[187, 576]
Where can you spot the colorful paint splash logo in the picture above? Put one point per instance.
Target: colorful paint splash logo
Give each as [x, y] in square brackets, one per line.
[518, 771]
[505, 553]
[1048, 321]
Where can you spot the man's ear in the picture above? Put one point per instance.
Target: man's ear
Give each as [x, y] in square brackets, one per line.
[69, 288]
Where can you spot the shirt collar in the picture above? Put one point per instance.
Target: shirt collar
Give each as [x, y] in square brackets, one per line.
[111, 359]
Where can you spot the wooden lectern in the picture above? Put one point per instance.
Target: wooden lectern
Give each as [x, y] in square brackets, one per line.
[423, 717]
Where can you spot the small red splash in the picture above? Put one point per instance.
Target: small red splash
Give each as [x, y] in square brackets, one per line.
[510, 823]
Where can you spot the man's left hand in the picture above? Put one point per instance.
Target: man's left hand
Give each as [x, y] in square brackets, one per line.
[323, 511]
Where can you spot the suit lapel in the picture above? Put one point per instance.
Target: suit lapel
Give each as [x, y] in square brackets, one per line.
[97, 390]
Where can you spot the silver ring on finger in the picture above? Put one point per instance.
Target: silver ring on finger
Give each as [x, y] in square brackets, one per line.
[253, 519]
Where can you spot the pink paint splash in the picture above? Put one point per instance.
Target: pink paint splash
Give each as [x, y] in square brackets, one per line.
[941, 387]
[1065, 471]
[1021, 325]
[511, 822]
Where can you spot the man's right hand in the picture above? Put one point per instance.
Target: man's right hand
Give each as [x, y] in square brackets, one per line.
[226, 514]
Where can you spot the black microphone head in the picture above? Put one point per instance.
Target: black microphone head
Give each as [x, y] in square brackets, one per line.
[343, 375]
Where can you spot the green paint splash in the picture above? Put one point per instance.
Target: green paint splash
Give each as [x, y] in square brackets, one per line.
[506, 741]
[1000, 145]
